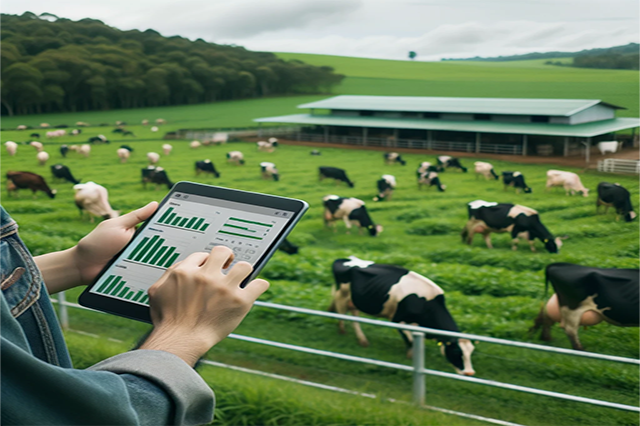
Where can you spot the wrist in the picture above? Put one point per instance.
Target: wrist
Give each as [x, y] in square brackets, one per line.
[184, 343]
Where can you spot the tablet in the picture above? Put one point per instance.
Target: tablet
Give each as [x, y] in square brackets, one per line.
[191, 218]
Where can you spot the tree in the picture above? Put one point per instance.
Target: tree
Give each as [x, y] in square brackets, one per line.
[412, 55]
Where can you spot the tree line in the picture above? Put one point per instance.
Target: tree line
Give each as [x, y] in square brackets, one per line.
[51, 64]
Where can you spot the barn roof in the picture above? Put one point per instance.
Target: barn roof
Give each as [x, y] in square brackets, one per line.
[515, 106]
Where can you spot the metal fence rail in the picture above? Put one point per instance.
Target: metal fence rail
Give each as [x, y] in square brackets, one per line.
[615, 165]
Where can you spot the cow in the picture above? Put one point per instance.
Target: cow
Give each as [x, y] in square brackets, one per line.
[267, 146]
[154, 129]
[235, 157]
[85, 150]
[268, 171]
[22, 127]
[145, 122]
[117, 130]
[155, 175]
[430, 179]
[56, 133]
[160, 121]
[28, 180]
[612, 194]
[60, 171]
[349, 210]
[315, 152]
[128, 133]
[37, 145]
[42, 157]
[386, 184]
[587, 296]
[76, 132]
[485, 169]
[520, 221]
[94, 199]
[568, 180]
[516, 180]
[166, 149]
[153, 157]
[206, 166]
[64, 149]
[127, 147]
[195, 145]
[426, 166]
[123, 154]
[334, 173]
[220, 138]
[45, 125]
[401, 296]
[609, 146]
[12, 147]
[393, 158]
[35, 135]
[120, 123]
[288, 247]
[98, 139]
[82, 124]
[446, 161]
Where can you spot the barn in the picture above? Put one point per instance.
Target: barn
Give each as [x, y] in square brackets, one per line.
[543, 127]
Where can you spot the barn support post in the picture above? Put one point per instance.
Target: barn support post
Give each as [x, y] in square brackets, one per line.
[326, 134]
[525, 140]
[478, 143]
[633, 138]
[419, 385]
[566, 146]
[365, 131]
[395, 137]
[429, 139]
[62, 311]
[259, 130]
[588, 152]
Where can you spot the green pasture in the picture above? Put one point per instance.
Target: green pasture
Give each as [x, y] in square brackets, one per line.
[490, 292]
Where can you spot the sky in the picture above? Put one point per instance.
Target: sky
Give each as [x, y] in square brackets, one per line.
[386, 29]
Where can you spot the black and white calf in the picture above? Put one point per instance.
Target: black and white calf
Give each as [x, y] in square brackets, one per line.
[393, 158]
[334, 173]
[612, 194]
[520, 221]
[269, 171]
[447, 161]
[485, 169]
[60, 171]
[386, 184]
[516, 180]
[206, 166]
[430, 179]
[155, 175]
[401, 296]
[587, 296]
[350, 210]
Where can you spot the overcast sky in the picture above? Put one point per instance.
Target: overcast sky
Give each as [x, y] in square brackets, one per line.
[370, 28]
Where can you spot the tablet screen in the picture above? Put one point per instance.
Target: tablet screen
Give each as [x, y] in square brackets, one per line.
[185, 224]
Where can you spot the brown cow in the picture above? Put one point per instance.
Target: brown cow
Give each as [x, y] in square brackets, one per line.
[28, 180]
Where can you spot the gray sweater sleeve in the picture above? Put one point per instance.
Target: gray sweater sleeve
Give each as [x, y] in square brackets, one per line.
[193, 399]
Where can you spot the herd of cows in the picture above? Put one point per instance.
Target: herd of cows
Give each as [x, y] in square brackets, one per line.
[583, 295]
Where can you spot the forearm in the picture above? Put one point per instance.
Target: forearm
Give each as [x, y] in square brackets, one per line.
[59, 270]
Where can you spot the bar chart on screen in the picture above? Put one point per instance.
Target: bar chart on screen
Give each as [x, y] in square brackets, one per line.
[127, 283]
[183, 220]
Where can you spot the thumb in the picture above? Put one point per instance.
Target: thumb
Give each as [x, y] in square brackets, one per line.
[133, 218]
[255, 288]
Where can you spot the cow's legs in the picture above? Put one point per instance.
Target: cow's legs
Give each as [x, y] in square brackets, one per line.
[341, 304]
[545, 321]
[571, 319]
[487, 239]
[362, 339]
[347, 223]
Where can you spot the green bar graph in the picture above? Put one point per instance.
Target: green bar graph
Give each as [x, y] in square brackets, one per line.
[183, 222]
[251, 222]
[118, 288]
[191, 222]
[152, 252]
[138, 295]
[171, 218]
[112, 285]
[146, 248]
[155, 258]
[164, 216]
[164, 258]
[198, 223]
[204, 228]
[137, 249]
[176, 221]
[105, 284]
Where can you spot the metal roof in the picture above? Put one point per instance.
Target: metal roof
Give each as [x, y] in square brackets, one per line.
[578, 130]
[515, 106]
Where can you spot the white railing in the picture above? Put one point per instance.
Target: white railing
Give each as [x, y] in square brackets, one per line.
[615, 165]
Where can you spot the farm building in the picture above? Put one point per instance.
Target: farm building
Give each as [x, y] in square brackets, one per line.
[481, 125]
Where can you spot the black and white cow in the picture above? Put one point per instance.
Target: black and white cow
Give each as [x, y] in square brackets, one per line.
[485, 169]
[334, 173]
[315, 152]
[393, 158]
[426, 166]
[60, 171]
[288, 247]
[587, 296]
[127, 147]
[516, 180]
[269, 171]
[156, 175]
[386, 184]
[206, 166]
[235, 157]
[447, 161]
[612, 194]
[401, 296]
[349, 210]
[63, 150]
[98, 139]
[430, 179]
[520, 221]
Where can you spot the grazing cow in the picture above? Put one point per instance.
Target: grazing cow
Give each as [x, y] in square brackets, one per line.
[485, 169]
[42, 157]
[56, 133]
[154, 129]
[272, 140]
[82, 124]
[402, 296]
[520, 221]
[587, 296]
[76, 132]
[206, 166]
[127, 147]
[35, 135]
[288, 247]
[99, 139]
[195, 145]
[386, 184]
[350, 210]
[60, 171]
[45, 125]
[153, 157]
[446, 161]
[166, 149]
[267, 146]
[22, 127]
[269, 171]
[155, 175]
[74, 148]
[568, 180]
[117, 130]
[516, 180]
[430, 179]
[315, 152]
[612, 194]
[123, 154]
[426, 166]
[160, 121]
[235, 157]
[85, 150]
[37, 145]
[94, 199]
[12, 147]
[64, 149]
[145, 122]
[393, 158]
[128, 133]
[28, 180]
[334, 173]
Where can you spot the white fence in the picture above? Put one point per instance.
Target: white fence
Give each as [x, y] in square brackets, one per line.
[614, 165]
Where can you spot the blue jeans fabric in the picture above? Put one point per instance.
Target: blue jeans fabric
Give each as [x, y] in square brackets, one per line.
[39, 385]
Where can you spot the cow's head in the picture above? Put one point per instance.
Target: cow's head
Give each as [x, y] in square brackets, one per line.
[630, 216]
[527, 190]
[553, 245]
[53, 193]
[458, 353]
[374, 230]
[585, 192]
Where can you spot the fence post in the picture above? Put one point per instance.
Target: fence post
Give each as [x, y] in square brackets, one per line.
[419, 388]
[62, 311]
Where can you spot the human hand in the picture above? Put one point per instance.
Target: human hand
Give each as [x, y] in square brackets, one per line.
[110, 236]
[194, 305]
